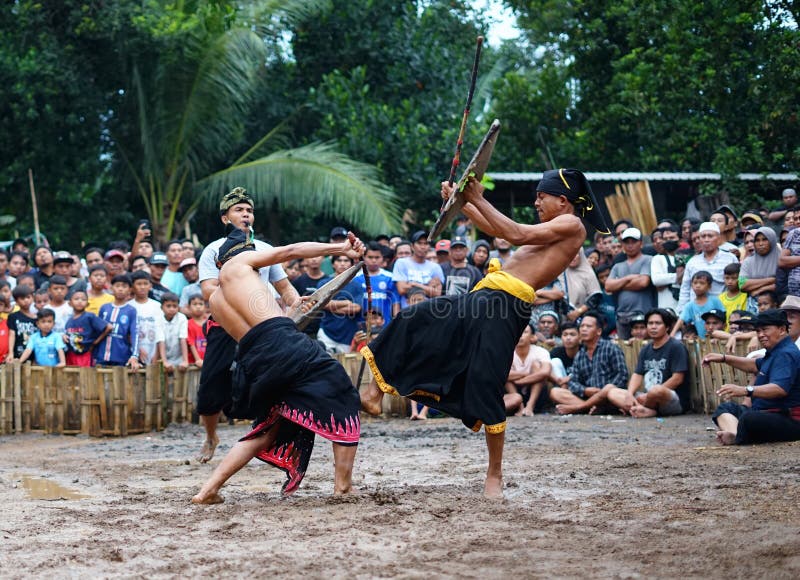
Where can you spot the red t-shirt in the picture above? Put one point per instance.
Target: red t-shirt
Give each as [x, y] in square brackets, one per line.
[197, 338]
[3, 340]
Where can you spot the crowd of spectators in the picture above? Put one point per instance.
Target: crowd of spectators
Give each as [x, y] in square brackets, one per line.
[700, 278]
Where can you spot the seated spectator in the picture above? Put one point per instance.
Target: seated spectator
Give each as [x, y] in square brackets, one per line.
[713, 320]
[196, 338]
[83, 332]
[660, 383]
[638, 326]
[702, 303]
[343, 313]
[530, 369]
[547, 329]
[599, 363]
[562, 357]
[46, 345]
[773, 413]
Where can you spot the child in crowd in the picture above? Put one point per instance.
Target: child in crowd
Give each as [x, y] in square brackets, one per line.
[196, 338]
[46, 345]
[40, 300]
[638, 326]
[121, 345]
[26, 280]
[693, 312]
[375, 322]
[22, 323]
[83, 332]
[5, 308]
[97, 294]
[415, 296]
[5, 294]
[175, 350]
[57, 291]
[767, 300]
[149, 319]
[732, 298]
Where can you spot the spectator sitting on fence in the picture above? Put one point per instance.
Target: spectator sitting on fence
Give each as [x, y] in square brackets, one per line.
[176, 332]
[662, 372]
[57, 293]
[121, 346]
[638, 326]
[149, 320]
[599, 363]
[702, 303]
[97, 294]
[196, 338]
[83, 332]
[562, 357]
[732, 298]
[528, 376]
[46, 345]
[713, 320]
[22, 323]
[773, 413]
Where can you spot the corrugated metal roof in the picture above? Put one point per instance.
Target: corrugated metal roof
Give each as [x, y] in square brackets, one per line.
[644, 176]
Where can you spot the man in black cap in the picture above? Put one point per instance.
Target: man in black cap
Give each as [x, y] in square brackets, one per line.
[774, 410]
[715, 319]
[338, 235]
[468, 340]
[214, 390]
[460, 276]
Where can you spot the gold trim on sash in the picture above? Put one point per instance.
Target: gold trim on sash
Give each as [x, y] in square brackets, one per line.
[381, 382]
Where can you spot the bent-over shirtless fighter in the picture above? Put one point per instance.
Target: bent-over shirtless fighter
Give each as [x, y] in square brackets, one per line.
[469, 339]
[283, 377]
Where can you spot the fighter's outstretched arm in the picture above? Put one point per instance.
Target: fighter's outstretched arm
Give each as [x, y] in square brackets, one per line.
[263, 258]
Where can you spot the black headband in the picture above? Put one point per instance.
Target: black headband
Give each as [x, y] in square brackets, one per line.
[573, 185]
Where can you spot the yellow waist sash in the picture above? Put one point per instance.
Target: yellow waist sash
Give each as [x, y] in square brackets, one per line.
[496, 279]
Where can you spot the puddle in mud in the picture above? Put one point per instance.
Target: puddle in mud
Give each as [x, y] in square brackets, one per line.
[41, 488]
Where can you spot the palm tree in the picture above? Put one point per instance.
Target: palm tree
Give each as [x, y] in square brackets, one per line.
[192, 102]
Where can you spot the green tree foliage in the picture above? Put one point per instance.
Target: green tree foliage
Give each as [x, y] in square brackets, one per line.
[658, 85]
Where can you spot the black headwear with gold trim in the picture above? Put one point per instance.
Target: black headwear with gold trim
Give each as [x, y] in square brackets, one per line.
[573, 185]
[236, 243]
[234, 196]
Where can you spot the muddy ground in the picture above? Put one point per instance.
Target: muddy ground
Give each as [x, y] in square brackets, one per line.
[585, 496]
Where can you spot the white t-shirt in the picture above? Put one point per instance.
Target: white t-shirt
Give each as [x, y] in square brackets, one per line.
[208, 263]
[63, 314]
[150, 323]
[175, 330]
[535, 354]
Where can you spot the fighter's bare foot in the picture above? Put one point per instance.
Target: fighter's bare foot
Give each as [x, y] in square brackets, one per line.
[207, 498]
[493, 487]
[642, 412]
[371, 399]
[726, 437]
[207, 451]
[344, 490]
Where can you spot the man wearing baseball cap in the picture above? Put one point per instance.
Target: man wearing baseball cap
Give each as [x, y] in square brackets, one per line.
[791, 306]
[442, 248]
[774, 411]
[460, 276]
[711, 259]
[629, 281]
[337, 236]
[214, 390]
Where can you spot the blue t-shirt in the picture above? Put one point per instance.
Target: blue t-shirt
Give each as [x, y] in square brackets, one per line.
[693, 312]
[123, 341]
[340, 327]
[409, 270]
[83, 331]
[781, 366]
[384, 293]
[175, 281]
[45, 348]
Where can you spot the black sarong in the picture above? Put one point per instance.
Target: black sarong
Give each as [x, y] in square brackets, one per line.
[283, 374]
[453, 353]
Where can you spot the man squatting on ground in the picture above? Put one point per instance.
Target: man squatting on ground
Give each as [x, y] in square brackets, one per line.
[283, 378]
[468, 340]
[214, 391]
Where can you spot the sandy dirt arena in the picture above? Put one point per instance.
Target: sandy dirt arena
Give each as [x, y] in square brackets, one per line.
[585, 496]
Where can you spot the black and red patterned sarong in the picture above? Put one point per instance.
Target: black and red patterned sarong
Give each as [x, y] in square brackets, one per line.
[288, 382]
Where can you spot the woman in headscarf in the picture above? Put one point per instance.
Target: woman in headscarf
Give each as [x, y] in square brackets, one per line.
[758, 271]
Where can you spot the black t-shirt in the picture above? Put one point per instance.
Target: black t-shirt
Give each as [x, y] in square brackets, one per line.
[23, 326]
[560, 353]
[306, 286]
[658, 365]
[157, 291]
[460, 280]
